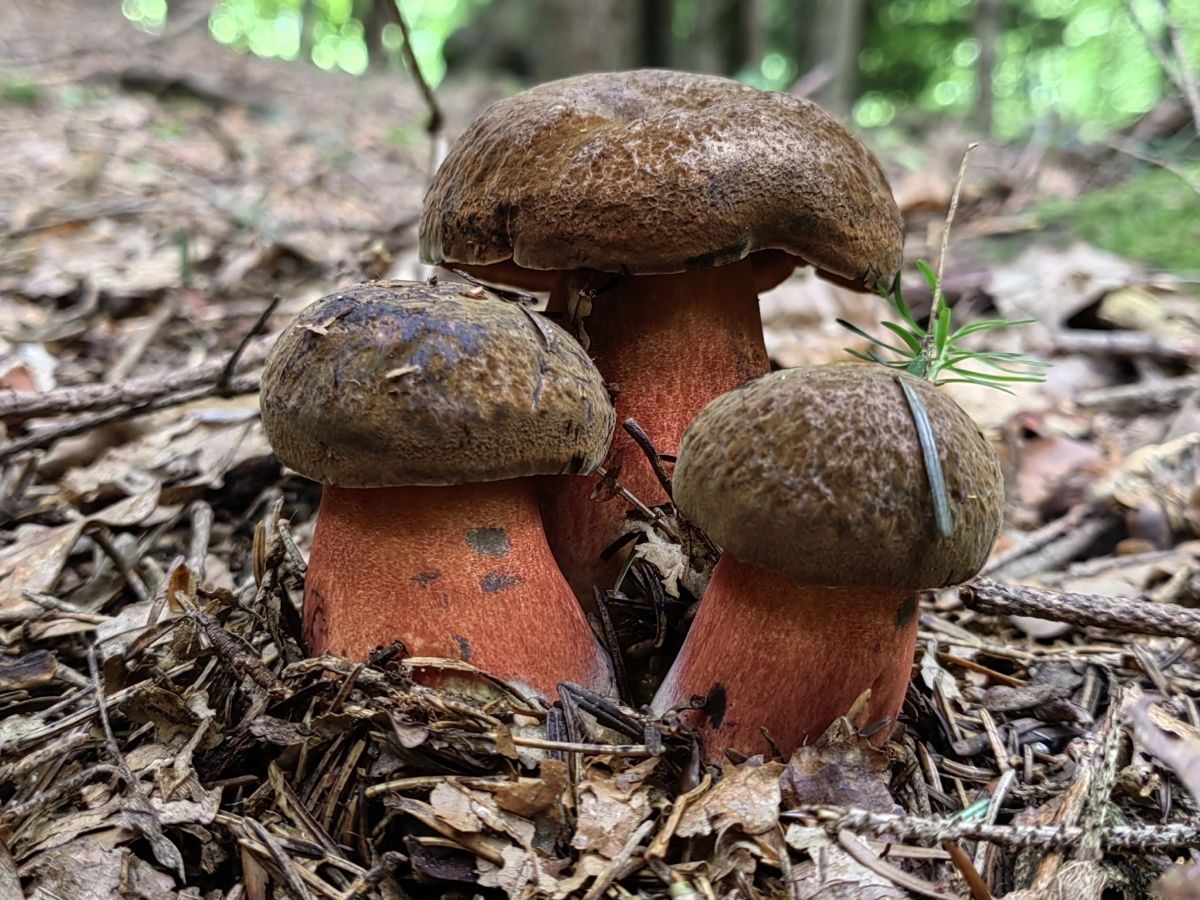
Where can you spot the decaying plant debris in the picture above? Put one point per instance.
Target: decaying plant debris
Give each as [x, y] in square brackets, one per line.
[162, 735]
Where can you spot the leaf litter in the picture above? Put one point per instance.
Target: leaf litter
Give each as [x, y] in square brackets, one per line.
[163, 736]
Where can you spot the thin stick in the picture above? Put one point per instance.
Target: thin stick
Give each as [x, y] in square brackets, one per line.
[1176, 70]
[19, 406]
[1133, 838]
[434, 125]
[856, 848]
[223, 389]
[643, 441]
[1122, 614]
[1191, 85]
[935, 308]
[243, 384]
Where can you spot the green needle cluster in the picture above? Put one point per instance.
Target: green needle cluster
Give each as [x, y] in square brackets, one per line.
[936, 353]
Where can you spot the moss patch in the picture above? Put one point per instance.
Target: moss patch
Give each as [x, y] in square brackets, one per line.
[1153, 217]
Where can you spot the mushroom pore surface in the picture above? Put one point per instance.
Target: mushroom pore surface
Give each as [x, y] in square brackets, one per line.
[816, 473]
[401, 383]
[654, 171]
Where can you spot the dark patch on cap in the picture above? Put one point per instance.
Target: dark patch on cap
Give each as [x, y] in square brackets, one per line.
[715, 703]
[464, 648]
[494, 582]
[906, 610]
[424, 579]
[719, 257]
[488, 541]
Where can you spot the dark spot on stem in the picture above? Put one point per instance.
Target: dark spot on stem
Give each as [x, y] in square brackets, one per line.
[464, 648]
[424, 579]
[905, 611]
[317, 622]
[494, 582]
[488, 541]
[714, 705]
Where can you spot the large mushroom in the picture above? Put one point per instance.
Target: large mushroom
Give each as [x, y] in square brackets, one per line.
[659, 204]
[423, 409]
[813, 482]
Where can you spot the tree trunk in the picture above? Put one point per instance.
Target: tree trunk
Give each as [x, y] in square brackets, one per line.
[837, 35]
[375, 16]
[656, 33]
[987, 32]
[596, 36]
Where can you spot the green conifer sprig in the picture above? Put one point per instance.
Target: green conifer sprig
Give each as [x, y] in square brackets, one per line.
[936, 352]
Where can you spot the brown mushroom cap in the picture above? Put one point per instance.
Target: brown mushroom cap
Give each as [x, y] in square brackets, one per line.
[403, 383]
[816, 473]
[656, 171]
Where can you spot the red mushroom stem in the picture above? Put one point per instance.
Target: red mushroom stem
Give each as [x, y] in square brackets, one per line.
[668, 344]
[461, 572]
[768, 653]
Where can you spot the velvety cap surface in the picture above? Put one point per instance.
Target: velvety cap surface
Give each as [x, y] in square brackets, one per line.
[816, 473]
[656, 171]
[395, 383]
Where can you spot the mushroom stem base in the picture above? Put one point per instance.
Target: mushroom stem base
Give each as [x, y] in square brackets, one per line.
[767, 653]
[461, 572]
[669, 344]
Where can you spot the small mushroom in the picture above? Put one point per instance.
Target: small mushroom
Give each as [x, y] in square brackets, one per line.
[659, 204]
[813, 482]
[423, 410]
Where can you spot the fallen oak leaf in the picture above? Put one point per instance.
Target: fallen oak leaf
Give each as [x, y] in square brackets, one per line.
[747, 797]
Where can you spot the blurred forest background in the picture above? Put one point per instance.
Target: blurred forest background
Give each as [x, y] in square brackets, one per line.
[1052, 75]
[1007, 66]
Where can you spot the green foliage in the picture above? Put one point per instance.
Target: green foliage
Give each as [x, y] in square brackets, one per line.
[1084, 61]
[1080, 64]
[935, 352]
[18, 90]
[1153, 217]
[331, 33]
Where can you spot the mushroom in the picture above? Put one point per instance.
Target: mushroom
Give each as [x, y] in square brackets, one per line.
[664, 202]
[423, 409]
[812, 480]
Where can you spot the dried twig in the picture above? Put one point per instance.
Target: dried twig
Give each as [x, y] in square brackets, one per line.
[635, 431]
[1177, 69]
[863, 856]
[433, 125]
[1126, 343]
[1139, 617]
[1148, 396]
[231, 365]
[938, 297]
[243, 384]
[915, 828]
[17, 407]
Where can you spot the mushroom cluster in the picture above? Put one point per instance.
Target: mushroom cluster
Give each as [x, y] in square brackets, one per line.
[813, 482]
[655, 206]
[424, 410]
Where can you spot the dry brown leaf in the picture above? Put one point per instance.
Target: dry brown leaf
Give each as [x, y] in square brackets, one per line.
[609, 810]
[86, 869]
[832, 873]
[530, 797]
[1052, 284]
[746, 798]
[1074, 881]
[1166, 475]
[523, 874]
[1178, 883]
[453, 805]
[1167, 738]
[841, 769]
[25, 673]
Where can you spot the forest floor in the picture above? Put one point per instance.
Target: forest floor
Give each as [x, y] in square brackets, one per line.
[161, 734]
